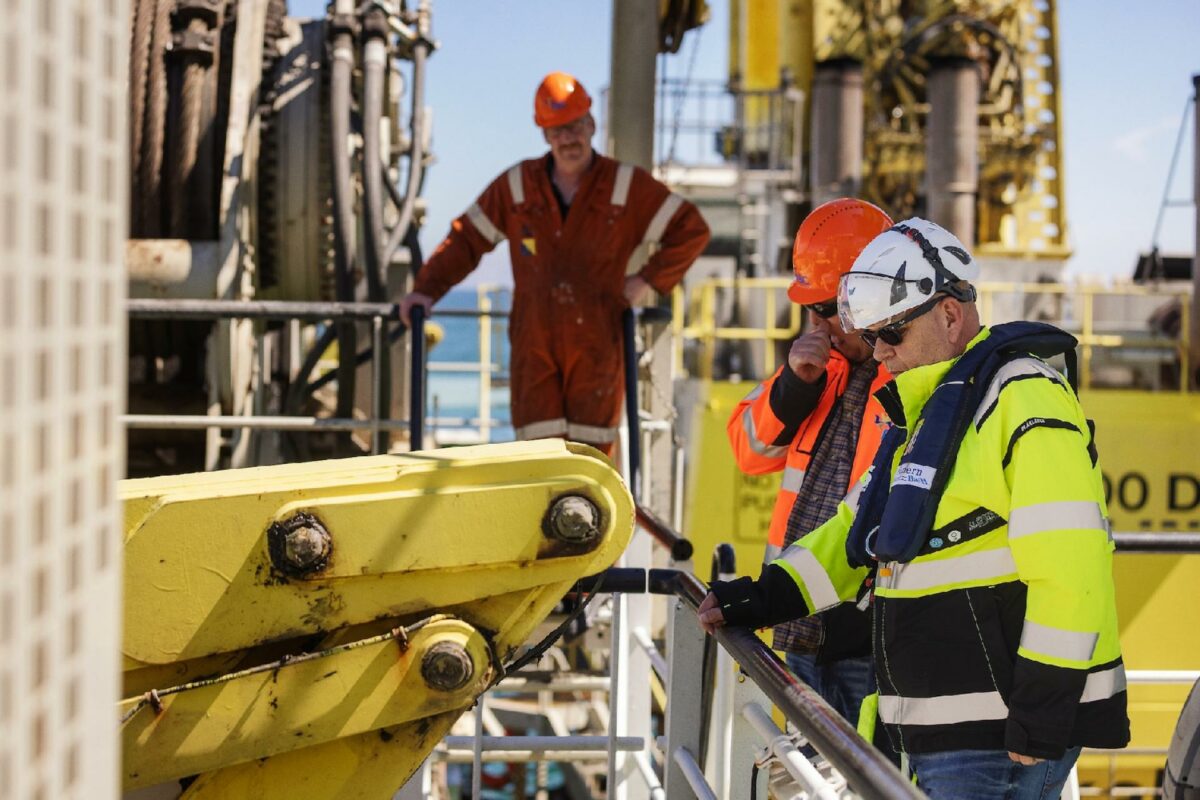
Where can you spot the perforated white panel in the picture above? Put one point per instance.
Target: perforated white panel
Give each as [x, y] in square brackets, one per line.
[63, 193]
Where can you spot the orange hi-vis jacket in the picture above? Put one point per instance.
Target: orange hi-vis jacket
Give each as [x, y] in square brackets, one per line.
[569, 279]
[780, 423]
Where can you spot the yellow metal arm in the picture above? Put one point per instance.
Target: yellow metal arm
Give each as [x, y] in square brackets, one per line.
[265, 606]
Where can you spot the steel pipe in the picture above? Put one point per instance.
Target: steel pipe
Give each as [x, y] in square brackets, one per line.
[1169, 676]
[1193, 362]
[344, 228]
[693, 774]
[785, 750]
[230, 421]
[259, 309]
[656, 659]
[416, 157]
[545, 744]
[681, 548]
[952, 145]
[374, 65]
[517, 756]
[837, 130]
[632, 419]
[176, 262]
[520, 685]
[416, 417]
[646, 769]
[1158, 542]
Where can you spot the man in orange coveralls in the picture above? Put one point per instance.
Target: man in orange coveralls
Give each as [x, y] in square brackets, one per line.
[580, 227]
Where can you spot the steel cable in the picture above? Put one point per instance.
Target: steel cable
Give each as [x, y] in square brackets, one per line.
[154, 123]
[139, 65]
[399, 633]
[186, 199]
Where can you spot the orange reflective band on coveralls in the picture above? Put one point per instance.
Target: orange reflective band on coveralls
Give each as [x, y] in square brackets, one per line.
[569, 277]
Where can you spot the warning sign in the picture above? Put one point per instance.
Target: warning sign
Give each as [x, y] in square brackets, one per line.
[1149, 447]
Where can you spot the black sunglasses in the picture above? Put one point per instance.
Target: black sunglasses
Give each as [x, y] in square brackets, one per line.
[893, 334]
[826, 310]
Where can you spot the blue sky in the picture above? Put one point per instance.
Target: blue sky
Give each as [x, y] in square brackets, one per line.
[1125, 75]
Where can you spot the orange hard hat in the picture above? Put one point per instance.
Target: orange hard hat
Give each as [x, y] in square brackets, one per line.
[829, 240]
[560, 99]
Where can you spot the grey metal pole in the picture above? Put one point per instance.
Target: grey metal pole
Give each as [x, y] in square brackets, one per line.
[1194, 358]
[837, 130]
[952, 146]
[631, 92]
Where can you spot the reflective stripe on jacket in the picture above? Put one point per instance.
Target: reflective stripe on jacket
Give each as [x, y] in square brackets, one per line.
[779, 424]
[1002, 632]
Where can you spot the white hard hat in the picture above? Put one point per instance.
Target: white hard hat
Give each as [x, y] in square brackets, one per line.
[902, 268]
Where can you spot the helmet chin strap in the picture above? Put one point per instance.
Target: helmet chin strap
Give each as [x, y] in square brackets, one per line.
[946, 279]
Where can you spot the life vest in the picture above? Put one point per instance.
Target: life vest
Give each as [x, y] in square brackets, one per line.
[896, 512]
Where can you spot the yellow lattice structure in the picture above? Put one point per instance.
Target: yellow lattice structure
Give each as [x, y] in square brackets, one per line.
[1020, 209]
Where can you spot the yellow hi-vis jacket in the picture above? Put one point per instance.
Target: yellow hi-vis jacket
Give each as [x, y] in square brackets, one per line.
[1001, 634]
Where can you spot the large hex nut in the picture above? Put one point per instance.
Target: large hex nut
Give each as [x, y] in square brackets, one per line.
[574, 519]
[447, 666]
[300, 545]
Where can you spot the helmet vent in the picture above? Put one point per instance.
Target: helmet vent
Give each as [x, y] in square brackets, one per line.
[958, 253]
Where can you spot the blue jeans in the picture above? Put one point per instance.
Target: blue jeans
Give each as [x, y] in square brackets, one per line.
[843, 683]
[989, 775]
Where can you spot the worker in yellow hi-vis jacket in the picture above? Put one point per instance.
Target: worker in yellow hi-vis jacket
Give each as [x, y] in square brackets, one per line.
[984, 521]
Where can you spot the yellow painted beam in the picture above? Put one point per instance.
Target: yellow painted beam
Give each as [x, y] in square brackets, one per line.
[408, 534]
[351, 690]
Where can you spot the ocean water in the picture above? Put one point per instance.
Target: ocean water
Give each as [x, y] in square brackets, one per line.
[457, 394]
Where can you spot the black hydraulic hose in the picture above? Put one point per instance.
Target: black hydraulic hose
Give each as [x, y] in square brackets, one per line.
[375, 59]
[299, 388]
[416, 417]
[343, 205]
[416, 160]
[681, 548]
[293, 399]
[631, 401]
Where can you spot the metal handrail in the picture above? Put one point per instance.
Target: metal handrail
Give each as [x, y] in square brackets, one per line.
[416, 414]
[866, 769]
[258, 309]
[1179, 542]
[633, 444]
[680, 547]
[212, 310]
[724, 567]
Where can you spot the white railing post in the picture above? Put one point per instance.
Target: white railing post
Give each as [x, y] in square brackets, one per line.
[485, 366]
[720, 738]
[632, 687]
[685, 648]
[745, 746]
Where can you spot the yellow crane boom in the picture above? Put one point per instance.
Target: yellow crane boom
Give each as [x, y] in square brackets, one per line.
[313, 630]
